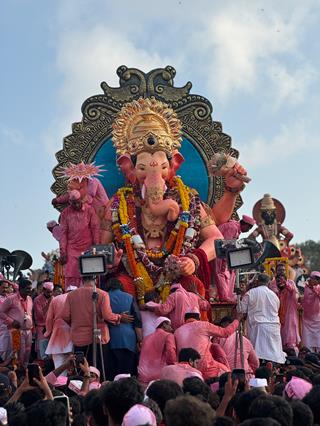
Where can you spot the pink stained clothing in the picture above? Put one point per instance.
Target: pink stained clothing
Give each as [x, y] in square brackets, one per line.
[158, 349]
[289, 307]
[78, 312]
[79, 231]
[56, 232]
[15, 308]
[196, 334]
[251, 361]
[218, 354]
[311, 317]
[40, 308]
[95, 196]
[148, 320]
[57, 329]
[180, 371]
[178, 303]
[224, 278]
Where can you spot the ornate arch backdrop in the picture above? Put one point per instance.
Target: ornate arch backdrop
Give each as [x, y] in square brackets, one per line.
[90, 139]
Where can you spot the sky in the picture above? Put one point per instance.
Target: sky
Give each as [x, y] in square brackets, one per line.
[256, 61]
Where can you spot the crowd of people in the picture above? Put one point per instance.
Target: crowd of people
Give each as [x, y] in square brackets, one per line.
[92, 356]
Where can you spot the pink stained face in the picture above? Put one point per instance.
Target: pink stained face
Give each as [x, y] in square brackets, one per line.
[152, 163]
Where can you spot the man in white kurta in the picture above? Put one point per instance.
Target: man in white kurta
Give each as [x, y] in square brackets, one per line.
[311, 313]
[261, 306]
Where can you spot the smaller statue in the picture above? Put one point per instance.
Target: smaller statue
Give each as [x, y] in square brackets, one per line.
[269, 214]
[83, 178]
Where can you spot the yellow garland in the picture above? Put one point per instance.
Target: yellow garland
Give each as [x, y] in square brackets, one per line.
[184, 194]
[147, 281]
[141, 271]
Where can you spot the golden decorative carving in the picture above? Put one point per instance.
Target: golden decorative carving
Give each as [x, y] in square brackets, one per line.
[99, 113]
[146, 125]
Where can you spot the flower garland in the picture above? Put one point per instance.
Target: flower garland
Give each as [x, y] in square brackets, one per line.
[180, 239]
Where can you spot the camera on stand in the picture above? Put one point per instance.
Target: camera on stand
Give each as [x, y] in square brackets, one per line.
[97, 260]
[238, 253]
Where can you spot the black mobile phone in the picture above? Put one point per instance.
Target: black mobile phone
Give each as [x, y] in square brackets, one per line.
[65, 401]
[240, 375]
[79, 357]
[33, 373]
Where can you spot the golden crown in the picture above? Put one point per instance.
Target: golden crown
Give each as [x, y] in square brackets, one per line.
[146, 125]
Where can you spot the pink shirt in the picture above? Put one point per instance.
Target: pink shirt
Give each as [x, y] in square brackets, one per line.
[311, 317]
[196, 334]
[289, 306]
[56, 328]
[251, 361]
[78, 312]
[40, 308]
[178, 372]
[178, 303]
[158, 349]
[15, 308]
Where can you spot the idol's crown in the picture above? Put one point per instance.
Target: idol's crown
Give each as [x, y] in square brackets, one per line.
[146, 125]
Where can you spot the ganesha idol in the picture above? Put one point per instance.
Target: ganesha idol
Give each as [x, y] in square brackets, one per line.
[161, 229]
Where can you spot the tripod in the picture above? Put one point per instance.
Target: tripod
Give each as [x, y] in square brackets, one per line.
[96, 332]
[239, 336]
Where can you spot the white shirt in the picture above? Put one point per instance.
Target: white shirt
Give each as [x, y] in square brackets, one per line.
[261, 304]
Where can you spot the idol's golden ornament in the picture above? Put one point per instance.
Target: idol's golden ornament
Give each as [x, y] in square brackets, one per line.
[146, 125]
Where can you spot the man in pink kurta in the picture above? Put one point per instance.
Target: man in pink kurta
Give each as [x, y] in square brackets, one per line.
[80, 230]
[158, 349]
[186, 366]
[40, 308]
[311, 313]
[224, 278]
[231, 347]
[288, 294]
[197, 334]
[78, 312]
[58, 332]
[4, 337]
[16, 313]
[178, 303]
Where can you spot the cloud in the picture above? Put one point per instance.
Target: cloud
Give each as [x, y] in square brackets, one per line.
[291, 139]
[85, 59]
[244, 38]
[290, 87]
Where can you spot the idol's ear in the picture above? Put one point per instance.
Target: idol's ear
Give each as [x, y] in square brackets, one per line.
[176, 161]
[126, 166]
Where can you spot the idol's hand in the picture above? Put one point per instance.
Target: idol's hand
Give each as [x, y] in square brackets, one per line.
[187, 266]
[236, 177]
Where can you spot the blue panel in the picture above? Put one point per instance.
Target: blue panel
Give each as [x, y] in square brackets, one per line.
[193, 171]
[112, 178]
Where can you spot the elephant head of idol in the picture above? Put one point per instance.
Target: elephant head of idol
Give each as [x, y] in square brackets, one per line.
[147, 136]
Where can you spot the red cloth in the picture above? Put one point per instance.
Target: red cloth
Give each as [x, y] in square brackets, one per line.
[204, 271]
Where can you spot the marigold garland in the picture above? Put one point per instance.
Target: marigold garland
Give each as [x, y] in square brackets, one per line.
[125, 227]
